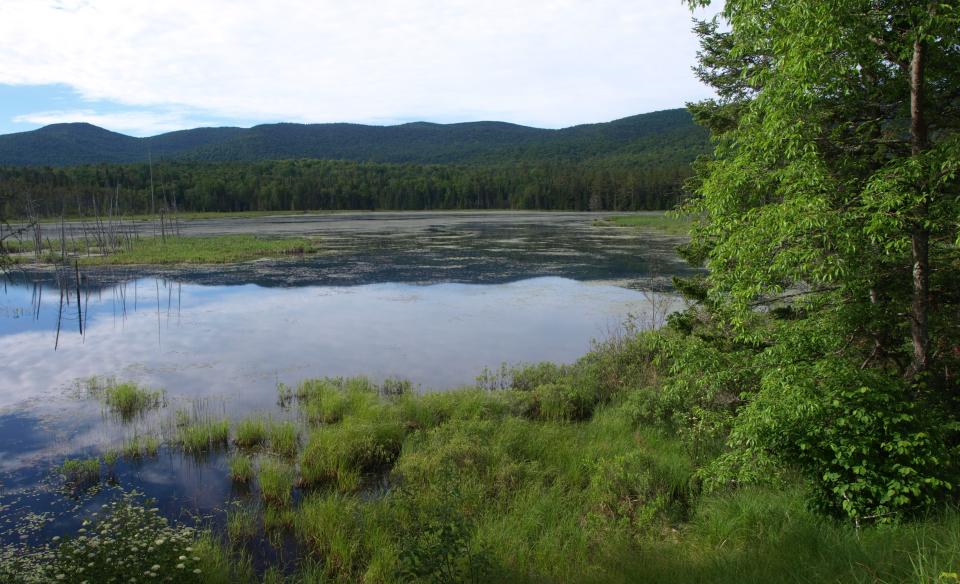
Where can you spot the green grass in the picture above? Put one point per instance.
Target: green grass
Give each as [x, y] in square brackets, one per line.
[126, 400]
[241, 468]
[650, 221]
[283, 439]
[251, 432]
[204, 250]
[542, 473]
[276, 481]
[201, 436]
[338, 454]
[241, 524]
[80, 472]
[328, 400]
[141, 447]
[277, 518]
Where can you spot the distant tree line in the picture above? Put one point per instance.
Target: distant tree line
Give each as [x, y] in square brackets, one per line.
[296, 185]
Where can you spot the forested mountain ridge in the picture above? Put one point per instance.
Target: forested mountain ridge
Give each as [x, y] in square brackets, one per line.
[667, 134]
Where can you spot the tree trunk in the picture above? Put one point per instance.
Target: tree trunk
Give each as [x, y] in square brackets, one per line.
[919, 237]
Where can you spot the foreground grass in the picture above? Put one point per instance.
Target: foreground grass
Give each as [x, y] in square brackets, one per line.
[556, 476]
[650, 221]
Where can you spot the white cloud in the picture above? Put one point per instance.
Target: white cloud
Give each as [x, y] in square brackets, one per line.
[551, 63]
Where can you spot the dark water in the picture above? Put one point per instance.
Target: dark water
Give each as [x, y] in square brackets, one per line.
[435, 307]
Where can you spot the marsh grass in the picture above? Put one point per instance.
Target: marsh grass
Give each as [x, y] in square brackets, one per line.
[251, 432]
[241, 524]
[328, 400]
[126, 400]
[338, 454]
[541, 473]
[201, 436]
[276, 481]
[241, 468]
[141, 446]
[650, 221]
[204, 250]
[80, 472]
[283, 438]
[278, 518]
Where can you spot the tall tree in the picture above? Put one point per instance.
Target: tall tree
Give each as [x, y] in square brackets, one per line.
[838, 155]
[834, 196]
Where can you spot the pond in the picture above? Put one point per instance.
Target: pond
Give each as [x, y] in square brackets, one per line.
[435, 306]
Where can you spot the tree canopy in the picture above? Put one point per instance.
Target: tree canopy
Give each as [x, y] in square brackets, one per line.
[829, 224]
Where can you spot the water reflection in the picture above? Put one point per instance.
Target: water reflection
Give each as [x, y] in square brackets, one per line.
[435, 307]
[239, 341]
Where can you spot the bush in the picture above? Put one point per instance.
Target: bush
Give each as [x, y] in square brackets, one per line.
[866, 445]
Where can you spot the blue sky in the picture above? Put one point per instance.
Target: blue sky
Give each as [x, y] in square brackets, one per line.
[143, 68]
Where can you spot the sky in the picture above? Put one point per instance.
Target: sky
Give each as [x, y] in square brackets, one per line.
[146, 67]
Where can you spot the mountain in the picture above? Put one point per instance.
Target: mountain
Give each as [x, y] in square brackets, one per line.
[647, 137]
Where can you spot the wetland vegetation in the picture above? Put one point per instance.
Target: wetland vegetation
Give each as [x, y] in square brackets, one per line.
[795, 417]
[169, 250]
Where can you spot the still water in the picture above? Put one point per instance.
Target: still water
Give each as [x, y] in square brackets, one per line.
[415, 307]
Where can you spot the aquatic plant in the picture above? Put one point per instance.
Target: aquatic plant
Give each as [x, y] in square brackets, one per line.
[276, 481]
[328, 400]
[126, 400]
[241, 468]
[110, 457]
[251, 432]
[395, 386]
[330, 526]
[125, 541]
[278, 518]
[284, 395]
[141, 446]
[80, 472]
[204, 250]
[203, 435]
[283, 438]
[241, 524]
[337, 454]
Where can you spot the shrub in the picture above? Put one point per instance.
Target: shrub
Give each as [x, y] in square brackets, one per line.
[867, 450]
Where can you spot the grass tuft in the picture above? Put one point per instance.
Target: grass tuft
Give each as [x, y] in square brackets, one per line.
[276, 482]
[251, 432]
[241, 468]
[127, 400]
[141, 446]
[80, 472]
[283, 439]
[201, 436]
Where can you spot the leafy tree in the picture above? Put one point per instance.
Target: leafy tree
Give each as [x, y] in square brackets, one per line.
[829, 222]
